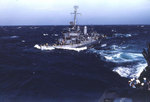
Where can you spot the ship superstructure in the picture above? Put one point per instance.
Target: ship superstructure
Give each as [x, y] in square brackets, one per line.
[74, 38]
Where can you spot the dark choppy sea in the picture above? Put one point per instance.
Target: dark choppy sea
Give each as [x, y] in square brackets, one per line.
[31, 75]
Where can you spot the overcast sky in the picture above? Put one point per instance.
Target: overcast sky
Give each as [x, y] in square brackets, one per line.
[57, 12]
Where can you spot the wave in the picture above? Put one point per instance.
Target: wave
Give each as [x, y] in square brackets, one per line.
[9, 37]
[130, 71]
[118, 56]
[103, 45]
[23, 41]
[19, 27]
[124, 59]
[13, 37]
[118, 35]
[45, 34]
[34, 28]
[55, 34]
[114, 47]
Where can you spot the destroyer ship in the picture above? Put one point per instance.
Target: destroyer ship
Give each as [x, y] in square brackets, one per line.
[74, 38]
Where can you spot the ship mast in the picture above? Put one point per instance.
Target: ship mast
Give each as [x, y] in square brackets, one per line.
[75, 15]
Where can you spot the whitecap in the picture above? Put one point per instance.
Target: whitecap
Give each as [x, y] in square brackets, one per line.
[45, 34]
[124, 47]
[103, 45]
[128, 35]
[19, 27]
[130, 71]
[23, 41]
[118, 56]
[114, 47]
[123, 57]
[13, 37]
[121, 35]
[56, 34]
[9, 37]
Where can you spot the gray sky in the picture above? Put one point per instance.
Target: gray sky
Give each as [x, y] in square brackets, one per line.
[57, 12]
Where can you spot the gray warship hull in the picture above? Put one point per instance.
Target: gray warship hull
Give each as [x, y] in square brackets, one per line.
[75, 47]
[90, 44]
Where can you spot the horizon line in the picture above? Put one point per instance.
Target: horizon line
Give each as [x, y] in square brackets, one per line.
[81, 25]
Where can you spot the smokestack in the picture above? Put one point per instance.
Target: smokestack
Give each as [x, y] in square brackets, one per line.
[85, 30]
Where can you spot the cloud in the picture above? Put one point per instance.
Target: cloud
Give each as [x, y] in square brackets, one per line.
[58, 11]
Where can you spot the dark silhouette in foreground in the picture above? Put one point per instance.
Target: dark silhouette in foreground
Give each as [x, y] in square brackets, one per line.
[146, 73]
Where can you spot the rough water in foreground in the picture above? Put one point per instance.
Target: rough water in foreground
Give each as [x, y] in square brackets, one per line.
[28, 74]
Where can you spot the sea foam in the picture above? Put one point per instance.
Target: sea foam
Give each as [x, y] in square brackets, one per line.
[130, 71]
[60, 47]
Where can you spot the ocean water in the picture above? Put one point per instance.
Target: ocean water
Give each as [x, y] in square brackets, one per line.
[31, 75]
